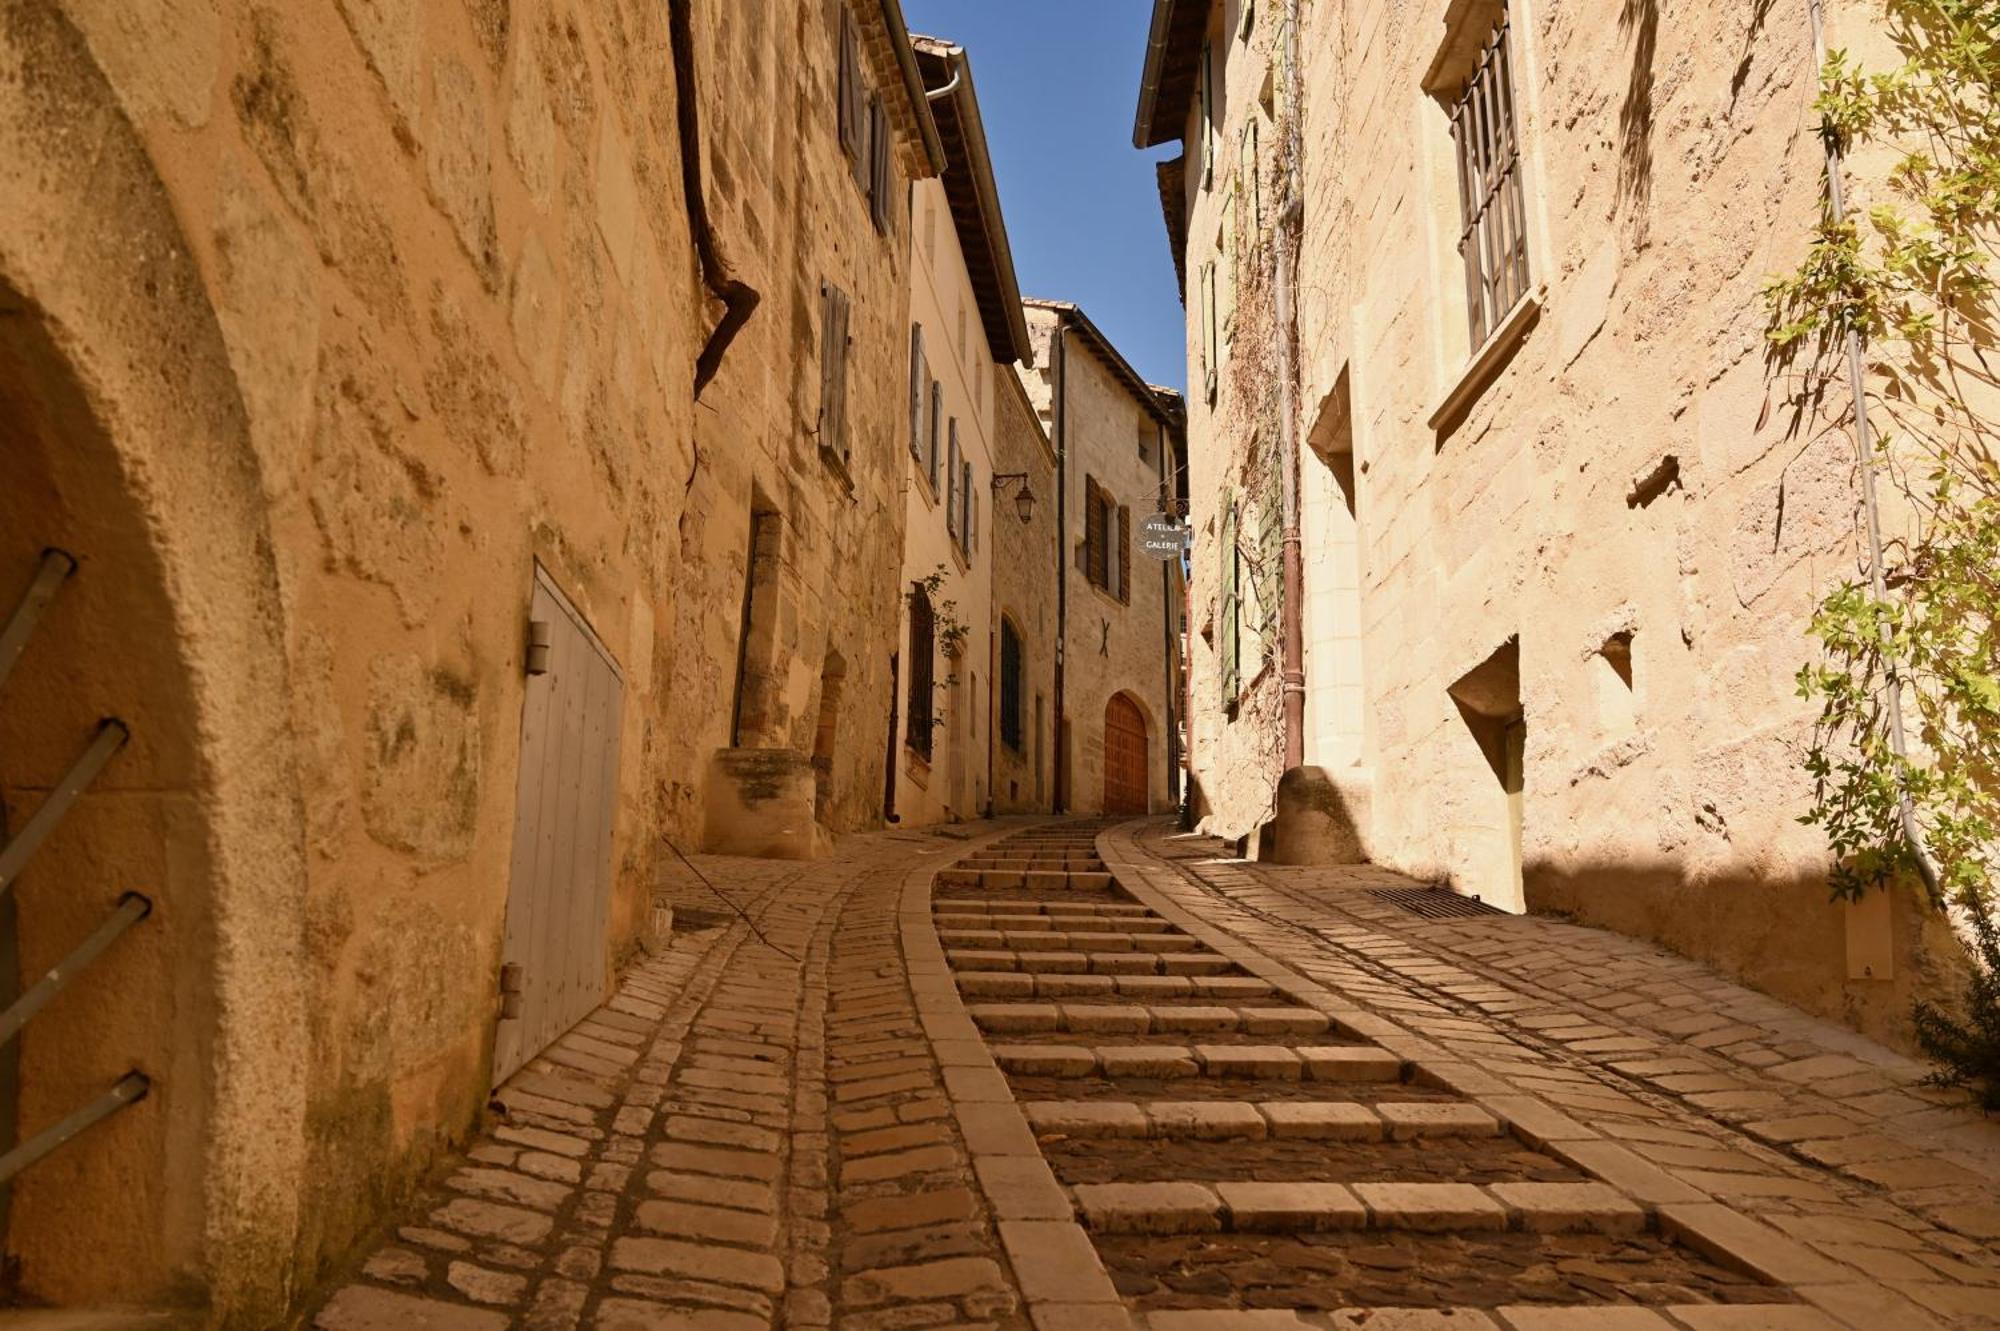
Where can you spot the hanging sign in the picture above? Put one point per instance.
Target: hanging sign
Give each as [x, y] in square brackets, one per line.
[1164, 536]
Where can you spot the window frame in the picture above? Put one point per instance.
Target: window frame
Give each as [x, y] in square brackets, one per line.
[1487, 159]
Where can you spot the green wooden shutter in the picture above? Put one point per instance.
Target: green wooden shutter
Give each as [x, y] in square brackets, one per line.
[1270, 560]
[1232, 575]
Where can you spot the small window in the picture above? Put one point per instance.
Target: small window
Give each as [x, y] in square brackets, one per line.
[1493, 233]
[1146, 432]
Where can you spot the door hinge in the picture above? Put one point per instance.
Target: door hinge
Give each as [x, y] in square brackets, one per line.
[510, 990]
[540, 634]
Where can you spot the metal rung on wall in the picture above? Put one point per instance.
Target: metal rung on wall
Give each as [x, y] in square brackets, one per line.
[56, 567]
[131, 1089]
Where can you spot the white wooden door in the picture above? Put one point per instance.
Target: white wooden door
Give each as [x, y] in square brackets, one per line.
[559, 892]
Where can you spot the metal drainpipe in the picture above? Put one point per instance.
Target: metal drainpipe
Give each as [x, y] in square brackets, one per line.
[1173, 744]
[1059, 778]
[1291, 609]
[1864, 448]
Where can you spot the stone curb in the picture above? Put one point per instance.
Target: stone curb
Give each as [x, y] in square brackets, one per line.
[1687, 1213]
[1062, 1282]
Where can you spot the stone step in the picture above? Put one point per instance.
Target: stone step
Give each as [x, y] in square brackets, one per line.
[1519, 1317]
[1058, 940]
[1056, 919]
[1138, 1019]
[1306, 1207]
[1082, 908]
[1024, 984]
[1325, 1063]
[1059, 880]
[1097, 963]
[1267, 1120]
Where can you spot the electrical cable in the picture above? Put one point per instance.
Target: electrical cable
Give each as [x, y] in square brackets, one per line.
[740, 912]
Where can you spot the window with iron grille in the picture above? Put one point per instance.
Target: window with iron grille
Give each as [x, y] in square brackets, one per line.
[923, 649]
[1493, 233]
[1010, 686]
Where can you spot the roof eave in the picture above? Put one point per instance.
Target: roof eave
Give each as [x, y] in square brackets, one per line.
[913, 82]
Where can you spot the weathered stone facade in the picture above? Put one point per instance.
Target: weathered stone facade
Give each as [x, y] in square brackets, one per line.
[1027, 560]
[1116, 441]
[322, 326]
[1558, 565]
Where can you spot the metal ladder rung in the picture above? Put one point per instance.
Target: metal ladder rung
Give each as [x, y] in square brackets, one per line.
[56, 566]
[130, 1089]
[111, 736]
[132, 908]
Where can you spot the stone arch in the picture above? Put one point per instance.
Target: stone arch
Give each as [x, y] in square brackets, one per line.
[123, 438]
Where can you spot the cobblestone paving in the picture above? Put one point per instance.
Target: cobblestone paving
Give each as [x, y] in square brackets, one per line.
[1083, 1079]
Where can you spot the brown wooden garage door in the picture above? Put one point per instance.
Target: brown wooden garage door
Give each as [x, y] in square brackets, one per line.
[1124, 756]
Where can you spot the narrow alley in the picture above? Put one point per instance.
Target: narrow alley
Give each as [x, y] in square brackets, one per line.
[1079, 1076]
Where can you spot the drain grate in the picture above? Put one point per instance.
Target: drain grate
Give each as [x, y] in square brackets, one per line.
[1434, 903]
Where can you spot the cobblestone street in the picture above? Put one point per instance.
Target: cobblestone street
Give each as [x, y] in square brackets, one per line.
[1074, 1077]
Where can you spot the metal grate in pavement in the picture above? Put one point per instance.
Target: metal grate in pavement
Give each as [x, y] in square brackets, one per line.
[1434, 903]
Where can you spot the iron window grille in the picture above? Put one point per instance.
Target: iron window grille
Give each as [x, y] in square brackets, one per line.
[1492, 236]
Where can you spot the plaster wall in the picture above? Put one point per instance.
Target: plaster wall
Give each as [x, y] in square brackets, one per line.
[1026, 557]
[953, 784]
[1666, 175]
[320, 325]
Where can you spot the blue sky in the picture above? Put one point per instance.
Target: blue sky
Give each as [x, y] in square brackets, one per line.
[1058, 81]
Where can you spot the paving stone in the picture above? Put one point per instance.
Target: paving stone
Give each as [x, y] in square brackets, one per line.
[713, 1132]
[1086, 1118]
[1411, 1319]
[507, 1186]
[699, 1261]
[743, 1194]
[1734, 1239]
[898, 1164]
[1263, 1062]
[1406, 1120]
[1350, 1063]
[1055, 1261]
[620, 1314]
[1016, 1018]
[1205, 1120]
[1149, 1061]
[721, 1161]
[948, 1278]
[1283, 1021]
[1149, 1208]
[1561, 1208]
[484, 1286]
[1430, 1207]
[397, 1266]
[1106, 1019]
[1045, 1060]
[1291, 1207]
[1751, 1317]
[1539, 1318]
[1321, 1120]
[491, 1220]
[711, 1224]
[360, 1308]
[911, 1211]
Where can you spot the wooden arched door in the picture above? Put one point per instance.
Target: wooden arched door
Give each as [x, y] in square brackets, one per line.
[1125, 764]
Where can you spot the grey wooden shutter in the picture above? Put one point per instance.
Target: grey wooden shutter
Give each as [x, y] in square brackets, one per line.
[936, 429]
[966, 504]
[919, 377]
[847, 93]
[833, 370]
[1093, 533]
[1232, 572]
[1124, 554]
[951, 483]
[879, 195]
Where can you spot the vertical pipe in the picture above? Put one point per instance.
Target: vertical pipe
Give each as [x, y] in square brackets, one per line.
[1171, 641]
[1864, 448]
[1061, 393]
[1291, 608]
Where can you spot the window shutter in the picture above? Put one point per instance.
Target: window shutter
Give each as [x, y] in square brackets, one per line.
[847, 93]
[879, 195]
[971, 514]
[919, 376]
[937, 428]
[833, 369]
[1209, 348]
[965, 500]
[1232, 572]
[1125, 555]
[1093, 533]
[1270, 554]
[1207, 116]
[923, 650]
[951, 481]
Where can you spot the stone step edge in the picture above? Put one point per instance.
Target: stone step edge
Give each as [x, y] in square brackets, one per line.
[1146, 1019]
[1510, 1317]
[1254, 1121]
[1062, 985]
[1172, 1207]
[1317, 1063]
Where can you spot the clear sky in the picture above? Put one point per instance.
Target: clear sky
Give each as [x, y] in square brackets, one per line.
[1058, 81]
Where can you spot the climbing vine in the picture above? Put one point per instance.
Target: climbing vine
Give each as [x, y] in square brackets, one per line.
[1911, 272]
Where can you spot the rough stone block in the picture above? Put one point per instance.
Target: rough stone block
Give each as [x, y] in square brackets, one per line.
[1106, 1018]
[1407, 1120]
[1283, 1021]
[1045, 1060]
[1263, 1062]
[1015, 1018]
[1149, 1208]
[359, 1308]
[1350, 1063]
[1430, 1207]
[1086, 1118]
[1291, 1207]
[1322, 1121]
[1206, 1120]
[1561, 1208]
[1195, 1019]
[1141, 1060]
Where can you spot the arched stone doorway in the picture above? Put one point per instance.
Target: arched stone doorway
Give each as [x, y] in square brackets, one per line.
[123, 440]
[1126, 767]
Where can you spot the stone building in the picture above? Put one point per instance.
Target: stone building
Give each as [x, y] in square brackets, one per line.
[1027, 564]
[1560, 532]
[1113, 696]
[349, 353]
[966, 331]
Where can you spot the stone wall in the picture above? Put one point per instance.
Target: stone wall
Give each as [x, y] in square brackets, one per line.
[1110, 647]
[1617, 536]
[1025, 559]
[320, 325]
